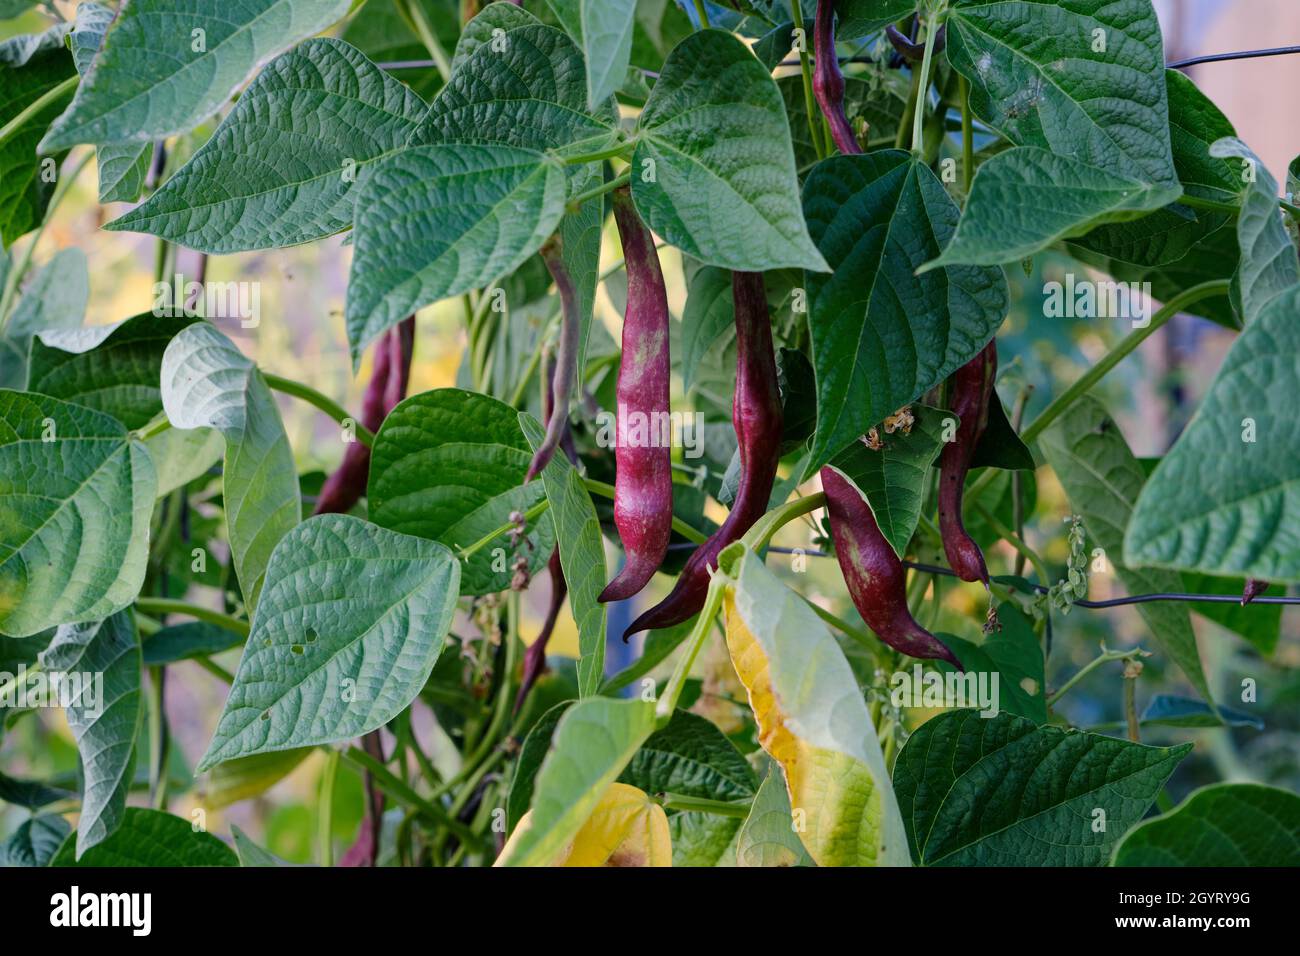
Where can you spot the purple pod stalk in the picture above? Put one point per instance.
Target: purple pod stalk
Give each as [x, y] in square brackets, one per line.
[643, 478]
[535, 657]
[757, 418]
[387, 387]
[875, 577]
[970, 389]
[828, 81]
[566, 358]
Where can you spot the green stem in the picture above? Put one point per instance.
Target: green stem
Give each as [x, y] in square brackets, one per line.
[703, 13]
[157, 756]
[618, 182]
[323, 402]
[1232, 209]
[36, 106]
[606, 490]
[1116, 355]
[155, 427]
[19, 270]
[481, 543]
[325, 822]
[402, 792]
[909, 110]
[967, 136]
[1013, 539]
[1104, 658]
[720, 808]
[673, 692]
[215, 669]
[417, 19]
[809, 101]
[918, 114]
[757, 537]
[505, 695]
[155, 606]
[620, 150]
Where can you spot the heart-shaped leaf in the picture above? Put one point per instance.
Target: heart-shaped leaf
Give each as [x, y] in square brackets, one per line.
[1015, 656]
[1221, 501]
[208, 383]
[713, 171]
[254, 186]
[999, 791]
[437, 221]
[351, 621]
[103, 714]
[76, 494]
[35, 841]
[766, 838]
[882, 335]
[449, 465]
[163, 70]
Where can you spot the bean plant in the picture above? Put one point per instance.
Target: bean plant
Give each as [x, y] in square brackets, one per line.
[838, 629]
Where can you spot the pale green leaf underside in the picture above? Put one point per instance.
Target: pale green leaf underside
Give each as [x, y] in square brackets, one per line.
[281, 168]
[1103, 479]
[713, 170]
[208, 383]
[104, 726]
[350, 623]
[1219, 503]
[606, 45]
[449, 464]
[882, 335]
[767, 836]
[822, 706]
[1268, 265]
[150, 82]
[956, 772]
[891, 478]
[1036, 77]
[122, 166]
[437, 221]
[74, 514]
[152, 838]
[34, 842]
[593, 742]
[582, 556]
[55, 298]
[1224, 824]
[1025, 199]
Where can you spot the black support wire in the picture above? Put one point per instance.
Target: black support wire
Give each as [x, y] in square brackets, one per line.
[1043, 589]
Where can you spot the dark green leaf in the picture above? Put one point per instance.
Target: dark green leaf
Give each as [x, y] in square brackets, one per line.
[1000, 791]
[31, 794]
[25, 186]
[1218, 502]
[437, 221]
[999, 446]
[183, 642]
[152, 838]
[1015, 656]
[1260, 624]
[1225, 824]
[882, 335]
[534, 750]
[713, 171]
[35, 841]
[449, 465]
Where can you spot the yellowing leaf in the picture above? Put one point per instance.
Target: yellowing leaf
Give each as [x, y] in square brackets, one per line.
[626, 828]
[813, 721]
